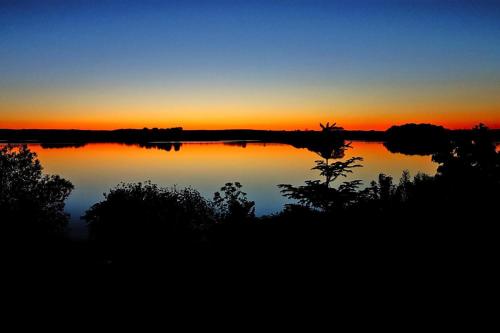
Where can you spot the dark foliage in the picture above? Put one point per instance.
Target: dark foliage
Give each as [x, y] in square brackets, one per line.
[232, 205]
[139, 219]
[469, 173]
[417, 224]
[321, 195]
[416, 139]
[31, 203]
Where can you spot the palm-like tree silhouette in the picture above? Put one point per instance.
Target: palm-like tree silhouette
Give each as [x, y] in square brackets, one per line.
[330, 128]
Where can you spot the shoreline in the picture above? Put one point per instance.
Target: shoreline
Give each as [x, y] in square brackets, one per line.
[176, 135]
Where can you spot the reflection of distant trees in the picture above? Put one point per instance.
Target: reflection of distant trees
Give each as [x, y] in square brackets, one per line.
[242, 144]
[62, 145]
[412, 148]
[328, 143]
[162, 145]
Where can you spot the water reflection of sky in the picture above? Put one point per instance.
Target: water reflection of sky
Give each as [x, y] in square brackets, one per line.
[95, 168]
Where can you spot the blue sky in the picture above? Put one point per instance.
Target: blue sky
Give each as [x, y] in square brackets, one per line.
[76, 54]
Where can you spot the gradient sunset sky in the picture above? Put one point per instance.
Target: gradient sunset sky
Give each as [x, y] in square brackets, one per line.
[248, 64]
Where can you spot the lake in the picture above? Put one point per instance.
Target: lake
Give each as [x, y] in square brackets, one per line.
[206, 166]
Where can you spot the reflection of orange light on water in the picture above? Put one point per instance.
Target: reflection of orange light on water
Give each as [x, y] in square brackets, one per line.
[255, 163]
[377, 159]
[370, 117]
[193, 160]
[214, 153]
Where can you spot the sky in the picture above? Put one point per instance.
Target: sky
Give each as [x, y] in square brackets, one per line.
[248, 64]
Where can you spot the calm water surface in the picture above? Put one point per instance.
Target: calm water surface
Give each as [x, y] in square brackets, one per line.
[95, 168]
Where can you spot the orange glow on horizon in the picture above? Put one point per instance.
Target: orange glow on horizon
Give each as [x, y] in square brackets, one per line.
[365, 107]
[285, 115]
[290, 126]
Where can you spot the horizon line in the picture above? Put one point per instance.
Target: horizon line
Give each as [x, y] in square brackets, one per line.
[495, 127]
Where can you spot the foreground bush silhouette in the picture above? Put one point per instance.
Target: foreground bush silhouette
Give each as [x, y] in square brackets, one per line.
[142, 219]
[31, 203]
[470, 171]
[232, 205]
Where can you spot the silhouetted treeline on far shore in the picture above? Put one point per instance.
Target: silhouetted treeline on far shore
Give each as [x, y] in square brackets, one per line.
[409, 138]
[157, 134]
[449, 218]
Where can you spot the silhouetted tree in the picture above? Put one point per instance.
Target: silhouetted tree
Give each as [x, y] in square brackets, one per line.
[31, 203]
[137, 218]
[404, 186]
[319, 194]
[330, 128]
[382, 192]
[232, 204]
[469, 172]
[474, 156]
[383, 196]
[416, 139]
